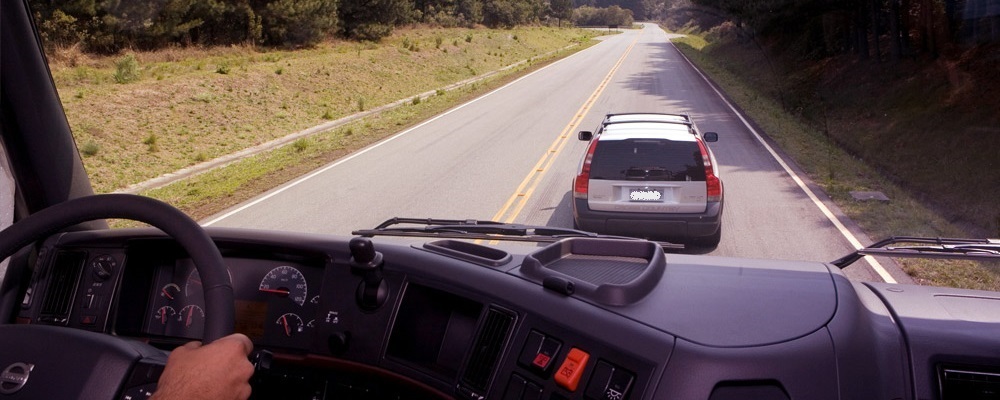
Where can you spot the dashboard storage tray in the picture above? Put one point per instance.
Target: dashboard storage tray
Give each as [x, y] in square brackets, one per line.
[607, 271]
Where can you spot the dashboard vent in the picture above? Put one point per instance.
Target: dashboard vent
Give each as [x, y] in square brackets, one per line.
[61, 286]
[969, 382]
[487, 349]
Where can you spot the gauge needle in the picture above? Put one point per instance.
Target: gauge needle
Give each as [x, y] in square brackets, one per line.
[165, 293]
[163, 317]
[190, 314]
[275, 291]
[284, 321]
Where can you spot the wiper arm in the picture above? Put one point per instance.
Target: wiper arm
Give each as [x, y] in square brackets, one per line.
[486, 230]
[947, 248]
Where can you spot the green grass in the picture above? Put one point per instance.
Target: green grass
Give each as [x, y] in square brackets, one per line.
[205, 103]
[741, 72]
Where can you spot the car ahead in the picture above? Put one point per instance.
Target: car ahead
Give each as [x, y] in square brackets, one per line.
[649, 175]
[88, 312]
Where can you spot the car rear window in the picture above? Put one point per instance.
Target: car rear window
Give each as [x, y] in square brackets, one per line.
[647, 160]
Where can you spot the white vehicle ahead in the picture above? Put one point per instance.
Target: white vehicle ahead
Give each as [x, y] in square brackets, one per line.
[649, 175]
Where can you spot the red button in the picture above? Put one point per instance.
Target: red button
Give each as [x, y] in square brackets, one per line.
[569, 373]
[541, 361]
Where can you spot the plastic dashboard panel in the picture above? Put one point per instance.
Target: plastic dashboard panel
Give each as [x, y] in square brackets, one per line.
[709, 328]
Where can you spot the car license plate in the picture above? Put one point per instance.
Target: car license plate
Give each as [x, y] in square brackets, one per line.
[645, 195]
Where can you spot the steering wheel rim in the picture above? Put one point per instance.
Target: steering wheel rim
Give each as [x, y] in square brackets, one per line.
[103, 364]
[218, 289]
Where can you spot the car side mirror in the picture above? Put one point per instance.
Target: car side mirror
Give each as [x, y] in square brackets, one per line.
[711, 137]
[585, 135]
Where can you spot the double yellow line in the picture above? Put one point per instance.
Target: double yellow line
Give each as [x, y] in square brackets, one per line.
[512, 208]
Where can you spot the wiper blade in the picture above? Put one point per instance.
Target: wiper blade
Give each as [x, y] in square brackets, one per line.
[947, 248]
[485, 230]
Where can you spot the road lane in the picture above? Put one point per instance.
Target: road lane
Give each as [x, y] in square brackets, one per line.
[470, 161]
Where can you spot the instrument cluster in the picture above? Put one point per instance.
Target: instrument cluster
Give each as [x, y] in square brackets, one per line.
[276, 301]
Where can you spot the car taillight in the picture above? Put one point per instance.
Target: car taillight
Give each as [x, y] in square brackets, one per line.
[582, 184]
[712, 182]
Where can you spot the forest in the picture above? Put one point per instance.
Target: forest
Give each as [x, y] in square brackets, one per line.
[109, 26]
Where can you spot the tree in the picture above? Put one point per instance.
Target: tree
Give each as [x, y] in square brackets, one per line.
[561, 9]
[299, 22]
[372, 19]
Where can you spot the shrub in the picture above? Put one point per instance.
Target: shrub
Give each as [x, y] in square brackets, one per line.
[127, 69]
[300, 145]
[90, 148]
[415, 101]
[223, 68]
[151, 142]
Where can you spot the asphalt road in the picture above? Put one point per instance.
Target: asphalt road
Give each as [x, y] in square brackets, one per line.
[511, 155]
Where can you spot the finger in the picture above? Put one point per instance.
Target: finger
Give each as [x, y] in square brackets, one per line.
[243, 340]
[192, 345]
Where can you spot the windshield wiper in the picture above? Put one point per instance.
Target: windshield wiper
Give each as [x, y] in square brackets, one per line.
[484, 230]
[949, 248]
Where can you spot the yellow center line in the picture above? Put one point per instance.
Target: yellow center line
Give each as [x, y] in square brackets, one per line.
[515, 204]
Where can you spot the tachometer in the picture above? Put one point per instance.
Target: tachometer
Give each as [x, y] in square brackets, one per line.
[285, 281]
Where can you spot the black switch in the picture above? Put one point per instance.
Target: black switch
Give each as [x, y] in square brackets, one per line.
[514, 388]
[599, 380]
[620, 384]
[532, 392]
[609, 382]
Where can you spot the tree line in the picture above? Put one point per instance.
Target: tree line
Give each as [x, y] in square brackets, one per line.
[108, 26]
[870, 29]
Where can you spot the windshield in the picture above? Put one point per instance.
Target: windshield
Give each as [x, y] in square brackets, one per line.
[329, 117]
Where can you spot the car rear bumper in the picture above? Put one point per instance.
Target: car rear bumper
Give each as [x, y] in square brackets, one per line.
[650, 225]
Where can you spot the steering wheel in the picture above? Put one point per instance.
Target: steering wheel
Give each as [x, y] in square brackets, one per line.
[47, 362]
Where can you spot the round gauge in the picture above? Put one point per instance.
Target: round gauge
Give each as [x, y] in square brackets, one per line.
[191, 315]
[164, 314]
[170, 291]
[285, 281]
[291, 323]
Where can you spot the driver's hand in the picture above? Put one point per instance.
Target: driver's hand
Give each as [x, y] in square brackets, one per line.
[219, 370]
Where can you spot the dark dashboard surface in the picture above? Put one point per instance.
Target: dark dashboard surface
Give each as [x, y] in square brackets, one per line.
[594, 319]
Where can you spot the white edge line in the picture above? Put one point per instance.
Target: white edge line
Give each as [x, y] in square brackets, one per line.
[371, 147]
[876, 266]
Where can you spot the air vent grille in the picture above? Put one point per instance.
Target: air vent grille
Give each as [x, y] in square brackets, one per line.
[969, 383]
[488, 347]
[61, 285]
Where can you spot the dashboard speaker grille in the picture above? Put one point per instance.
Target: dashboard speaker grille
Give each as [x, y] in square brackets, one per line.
[61, 285]
[487, 349]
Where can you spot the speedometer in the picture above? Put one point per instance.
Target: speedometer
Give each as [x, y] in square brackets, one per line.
[285, 281]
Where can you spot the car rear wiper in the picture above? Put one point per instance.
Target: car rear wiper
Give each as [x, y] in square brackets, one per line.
[968, 249]
[484, 230]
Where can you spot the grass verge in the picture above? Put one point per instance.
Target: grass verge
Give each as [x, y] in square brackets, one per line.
[206, 194]
[180, 107]
[837, 171]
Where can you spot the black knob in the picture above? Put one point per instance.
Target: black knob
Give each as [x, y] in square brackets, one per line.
[338, 342]
[362, 250]
[103, 266]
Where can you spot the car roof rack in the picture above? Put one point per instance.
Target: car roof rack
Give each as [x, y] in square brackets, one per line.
[687, 118]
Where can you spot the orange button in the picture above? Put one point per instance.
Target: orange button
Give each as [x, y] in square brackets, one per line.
[569, 373]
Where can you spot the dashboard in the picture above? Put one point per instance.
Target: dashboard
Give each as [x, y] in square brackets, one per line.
[579, 319]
